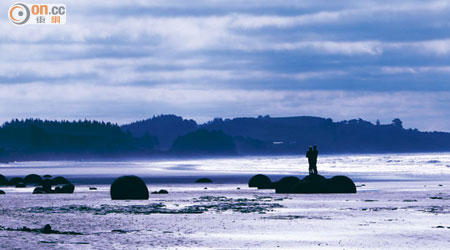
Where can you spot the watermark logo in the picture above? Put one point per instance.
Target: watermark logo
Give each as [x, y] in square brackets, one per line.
[22, 13]
[19, 13]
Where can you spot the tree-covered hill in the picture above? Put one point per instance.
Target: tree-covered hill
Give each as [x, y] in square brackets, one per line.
[35, 138]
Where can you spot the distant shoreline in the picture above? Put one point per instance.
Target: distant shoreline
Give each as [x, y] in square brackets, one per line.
[168, 156]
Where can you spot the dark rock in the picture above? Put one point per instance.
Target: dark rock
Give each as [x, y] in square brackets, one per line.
[15, 180]
[341, 184]
[47, 229]
[3, 180]
[313, 184]
[285, 185]
[314, 178]
[38, 190]
[92, 188]
[65, 189]
[47, 176]
[129, 188]
[162, 191]
[32, 179]
[47, 185]
[2, 192]
[21, 185]
[310, 187]
[310, 184]
[204, 180]
[60, 181]
[260, 181]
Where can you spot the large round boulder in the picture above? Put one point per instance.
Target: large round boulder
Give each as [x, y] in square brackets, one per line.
[14, 181]
[341, 184]
[129, 187]
[310, 187]
[2, 192]
[3, 180]
[284, 186]
[314, 178]
[60, 181]
[47, 185]
[65, 189]
[32, 179]
[260, 181]
[21, 185]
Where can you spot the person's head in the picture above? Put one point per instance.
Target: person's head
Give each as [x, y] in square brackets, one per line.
[310, 148]
[315, 147]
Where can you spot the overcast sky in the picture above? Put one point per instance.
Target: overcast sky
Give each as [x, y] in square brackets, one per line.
[125, 60]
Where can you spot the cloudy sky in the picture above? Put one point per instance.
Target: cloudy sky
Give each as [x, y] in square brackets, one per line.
[126, 60]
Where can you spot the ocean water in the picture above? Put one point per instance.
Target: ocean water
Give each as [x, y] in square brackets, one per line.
[403, 202]
[233, 169]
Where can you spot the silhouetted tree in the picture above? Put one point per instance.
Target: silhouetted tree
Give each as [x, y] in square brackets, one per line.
[397, 123]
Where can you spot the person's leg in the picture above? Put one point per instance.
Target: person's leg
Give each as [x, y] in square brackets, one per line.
[314, 167]
[310, 163]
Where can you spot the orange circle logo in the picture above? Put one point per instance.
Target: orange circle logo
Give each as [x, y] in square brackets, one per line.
[19, 13]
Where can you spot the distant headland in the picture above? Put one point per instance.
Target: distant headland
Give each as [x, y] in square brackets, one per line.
[173, 136]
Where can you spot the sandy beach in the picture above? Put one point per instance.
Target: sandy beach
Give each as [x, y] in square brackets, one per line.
[396, 210]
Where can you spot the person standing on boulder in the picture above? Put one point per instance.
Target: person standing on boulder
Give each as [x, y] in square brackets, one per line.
[309, 155]
[315, 154]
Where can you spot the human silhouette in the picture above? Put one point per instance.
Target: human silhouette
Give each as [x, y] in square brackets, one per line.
[315, 154]
[309, 155]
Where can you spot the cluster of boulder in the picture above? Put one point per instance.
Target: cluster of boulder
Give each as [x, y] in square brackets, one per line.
[311, 184]
[63, 186]
[43, 184]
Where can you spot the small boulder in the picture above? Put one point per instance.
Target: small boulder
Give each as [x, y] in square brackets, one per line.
[129, 188]
[92, 188]
[3, 180]
[2, 192]
[260, 181]
[203, 180]
[32, 179]
[47, 229]
[285, 185]
[341, 184]
[65, 189]
[162, 191]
